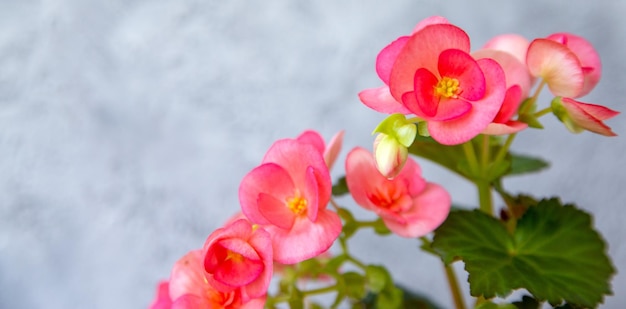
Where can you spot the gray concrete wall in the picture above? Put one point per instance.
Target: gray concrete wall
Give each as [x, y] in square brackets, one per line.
[126, 126]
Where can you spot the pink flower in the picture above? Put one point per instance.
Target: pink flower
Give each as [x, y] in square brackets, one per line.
[239, 256]
[579, 116]
[190, 289]
[436, 78]
[287, 195]
[567, 63]
[408, 205]
[518, 84]
[380, 99]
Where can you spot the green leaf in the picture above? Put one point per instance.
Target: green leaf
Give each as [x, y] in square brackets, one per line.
[354, 285]
[554, 253]
[527, 302]
[521, 164]
[377, 277]
[450, 157]
[341, 187]
[491, 305]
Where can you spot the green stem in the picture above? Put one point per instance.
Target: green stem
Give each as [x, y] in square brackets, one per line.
[470, 154]
[459, 303]
[543, 112]
[485, 155]
[323, 290]
[484, 196]
[504, 149]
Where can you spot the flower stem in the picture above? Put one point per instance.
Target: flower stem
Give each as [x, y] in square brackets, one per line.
[484, 197]
[470, 154]
[543, 111]
[459, 303]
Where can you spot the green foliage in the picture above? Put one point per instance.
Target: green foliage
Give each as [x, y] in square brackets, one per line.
[554, 253]
[341, 187]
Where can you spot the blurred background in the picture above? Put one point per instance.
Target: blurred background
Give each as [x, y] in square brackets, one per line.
[126, 126]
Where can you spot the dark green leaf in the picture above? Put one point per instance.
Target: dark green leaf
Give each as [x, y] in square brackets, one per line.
[554, 253]
[341, 187]
[354, 285]
[450, 157]
[527, 302]
[491, 305]
[521, 164]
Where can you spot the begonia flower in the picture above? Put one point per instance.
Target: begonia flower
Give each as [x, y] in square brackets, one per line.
[568, 64]
[408, 205]
[239, 256]
[518, 84]
[287, 195]
[436, 78]
[511, 43]
[380, 99]
[579, 116]
[190, 289]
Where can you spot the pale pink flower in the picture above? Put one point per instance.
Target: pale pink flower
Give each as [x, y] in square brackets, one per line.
[408, 205]
[579, 116]
[567, 63]
[511, 43]
[287, 195]
[380, 99]
[239, 256]
[518, 84]
[436, 78]
[190, 289]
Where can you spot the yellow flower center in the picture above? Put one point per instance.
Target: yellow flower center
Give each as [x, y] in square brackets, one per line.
[234, 256]
[448, 87]
[297, 205]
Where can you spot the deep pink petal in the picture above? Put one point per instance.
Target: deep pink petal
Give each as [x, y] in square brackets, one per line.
[512, 101]
[296, 157]
[557, 65]
[275, 211]
[387, 56]
[333, 149]
[190, 301]
[306, 239]
[426, 101]
[362, 176]
[462, 129]
[268, 178]
[422, 51]
[312, 138]
[257, 303]
[451, 109]
[454, 63]
[430, 209]
[586, 54]
[515, 72]
[262, 242]
[380, 100]
[513, 44]
[432, 20]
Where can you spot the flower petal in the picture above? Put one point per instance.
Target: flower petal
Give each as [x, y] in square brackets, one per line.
[589, 116]
[504, 128]
[422, 51]
[557, 65]
[275, 211]
[426, 101]
[333, 149]
[362, 176]
[586, 54]
[387, 56]
[513, 44]
[268, 178]
[312, 138]
[515, 72]
[464, 128]
[432, 20]
[431, 208]
[510, 105]
[380, 100]
[454, 63]
[306, 239]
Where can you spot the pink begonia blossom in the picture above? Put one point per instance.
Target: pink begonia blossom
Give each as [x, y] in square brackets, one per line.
[518, 84]
[287, 195]
[190, 289]
[436, 78]
[513, 44]
[579, 116]
[380, 99]
[568, 64]
[239, 256]
[408, 205]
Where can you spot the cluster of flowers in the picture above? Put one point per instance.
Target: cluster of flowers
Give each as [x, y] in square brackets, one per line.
[285, 220]
[454, 94]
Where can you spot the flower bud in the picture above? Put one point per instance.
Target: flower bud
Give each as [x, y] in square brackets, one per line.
[579, 116]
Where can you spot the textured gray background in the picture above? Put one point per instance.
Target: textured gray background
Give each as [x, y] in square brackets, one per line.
[125, 127]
